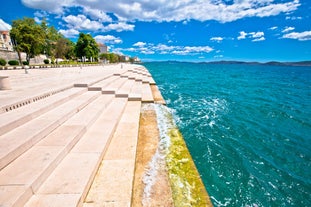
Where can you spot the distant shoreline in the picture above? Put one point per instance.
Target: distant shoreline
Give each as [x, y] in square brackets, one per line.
[273, 63]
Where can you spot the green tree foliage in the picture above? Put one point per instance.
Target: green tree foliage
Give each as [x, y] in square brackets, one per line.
[56, 45]
[13, 62]
[132, 60]
[111, 57]
[64, 48]
[50, 36]
[35, 39]
[2, 62]
[28, 37]
[86, 47]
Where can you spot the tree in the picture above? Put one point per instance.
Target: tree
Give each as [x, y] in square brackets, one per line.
[86, 47]
[132, 60]
[51, 38]
[113, 58]
[64, 48]
[28, 37]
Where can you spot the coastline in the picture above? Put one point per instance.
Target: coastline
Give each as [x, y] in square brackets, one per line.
[164, 166]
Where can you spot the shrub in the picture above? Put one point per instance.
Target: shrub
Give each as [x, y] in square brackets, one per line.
[46, 61]
[13, 62]
[25, 63]
[2, 62]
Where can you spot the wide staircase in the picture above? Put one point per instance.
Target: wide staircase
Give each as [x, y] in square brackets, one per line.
[74, 144]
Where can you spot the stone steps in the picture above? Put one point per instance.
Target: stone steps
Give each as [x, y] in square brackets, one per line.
[136, 92]
[113, 183]
[21, 98]
[112, 87]
[19, 140]
[101, 84]
[125, 89]
[34, 166]
[78, 142]
[21, 115]
[74, 175]
[147, 96]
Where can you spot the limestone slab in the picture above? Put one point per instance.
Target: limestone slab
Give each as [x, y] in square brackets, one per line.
[113, 182]
[103, 83]
[91, 112]
[63, 136]
[147, 96]
[122, 147]
[125, 89]
[108, 204]
[97, 139]
[54, 200]
[14, 195]
[113, 86]
[72, 175]
[18, 141]
[101, 131]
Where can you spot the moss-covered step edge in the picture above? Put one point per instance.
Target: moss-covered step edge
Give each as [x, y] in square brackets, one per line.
[187, 186]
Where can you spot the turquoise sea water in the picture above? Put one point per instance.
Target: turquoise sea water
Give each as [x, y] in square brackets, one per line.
[248, 128]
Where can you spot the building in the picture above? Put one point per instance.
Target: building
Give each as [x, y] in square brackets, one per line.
[124, 58]
[103, 48]
[136, 60]
[5, 41]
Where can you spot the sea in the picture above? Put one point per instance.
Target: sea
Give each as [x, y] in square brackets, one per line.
[247, 127]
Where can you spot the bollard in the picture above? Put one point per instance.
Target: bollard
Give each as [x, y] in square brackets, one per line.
[5, 83]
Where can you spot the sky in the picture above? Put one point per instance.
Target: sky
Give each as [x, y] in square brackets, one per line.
[181, 30]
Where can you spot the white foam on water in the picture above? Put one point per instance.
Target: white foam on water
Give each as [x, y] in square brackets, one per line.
[158, 160]
[150, 177]
[166, 123]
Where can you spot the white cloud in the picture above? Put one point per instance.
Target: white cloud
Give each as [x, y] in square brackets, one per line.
[198, 49]
[69, 33]
[217, 39]
[288, 29]
[147, 52]
[301, 36]
[273, 28]
[41, 14]
[4, 26]
[37, 20]
[259, 39]
[81, 22]
[242, 35]
[97, 14]
[119, 27]
[172, 10]
[55, 6]
[218, 56]
[108, 39]
[139, 44]
[293, 18]
[164, 48]
[255, 36]
[149, 48]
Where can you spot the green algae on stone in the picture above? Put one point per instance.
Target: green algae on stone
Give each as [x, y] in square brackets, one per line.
[186, 183]
[187, 186]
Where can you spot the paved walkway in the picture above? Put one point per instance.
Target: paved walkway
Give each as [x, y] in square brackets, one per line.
[60, 127]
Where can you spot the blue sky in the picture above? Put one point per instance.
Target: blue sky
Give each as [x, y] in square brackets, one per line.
[183, 30]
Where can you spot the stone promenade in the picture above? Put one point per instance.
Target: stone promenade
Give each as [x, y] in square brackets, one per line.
[58, 126]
